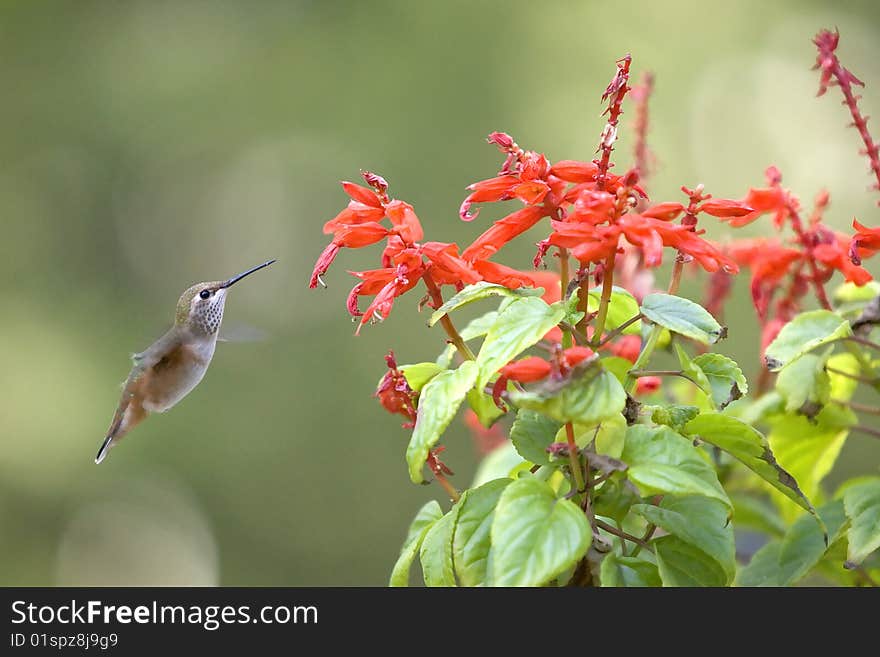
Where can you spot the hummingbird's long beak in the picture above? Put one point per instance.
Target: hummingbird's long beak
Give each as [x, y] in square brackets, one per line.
[236, 279]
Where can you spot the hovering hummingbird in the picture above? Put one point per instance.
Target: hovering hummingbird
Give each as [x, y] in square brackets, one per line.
[166, 371]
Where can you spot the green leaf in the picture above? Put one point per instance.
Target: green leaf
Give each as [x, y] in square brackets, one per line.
[663, 461]
[726, 380]
[438, 404]
[804, 333]
[436, 552]
[862, 504]
[588, 396]
[418, 374]
[476, 328]
[852, 293]
[696, 375]
[523, 323]
[699, 521]
[484, 407]
[614, 499]
[683, 564]
[807, 452]
[843, 387]
[784, 562]
[531, 434]
[804, 385]
[674, 416]
[497, 464]
[628, 571]
[851, 299]
[472, 541]
[622, 307]
[481, 290]
[682, 316]
[618, 366]
[424, 520]
[535, 536]
[753, 513]
[751, 448]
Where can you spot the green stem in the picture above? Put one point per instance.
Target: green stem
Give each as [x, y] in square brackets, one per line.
[573, 458]
[620, 329]
[445, 321]
[605, 300]
[644, 357]
[651, 342]
[611, 529]
[564, 276]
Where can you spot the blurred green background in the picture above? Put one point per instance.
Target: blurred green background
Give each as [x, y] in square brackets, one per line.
[149, 145]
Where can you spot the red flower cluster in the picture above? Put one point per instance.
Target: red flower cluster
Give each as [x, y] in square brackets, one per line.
[807, 261]
[405, 259]
[588, 218]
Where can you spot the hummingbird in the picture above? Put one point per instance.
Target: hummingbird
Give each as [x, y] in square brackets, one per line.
[168, 370]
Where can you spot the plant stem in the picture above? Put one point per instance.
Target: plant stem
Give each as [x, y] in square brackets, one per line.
[855, 377]
[573, 330]
[860, 408]
[675, 281]
[651, 343]
[611, 529]
[807, 243]
[564, 276]
[620, 329]
[864, 342]
[640, 373]
[449, 488]
[875, 433]
[644, 357]
[649, 531]
[604, 301]
[445, 321]
[573, 458]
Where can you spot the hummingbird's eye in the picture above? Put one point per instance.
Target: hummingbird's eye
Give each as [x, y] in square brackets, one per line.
[204, 294]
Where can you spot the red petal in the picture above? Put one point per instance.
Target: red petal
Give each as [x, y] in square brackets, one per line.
[361, 194]
[502, 231]
[664, 211]
[574, 171]
[725, 208]
[358, 235]
[531, 192]
[527, 370]
[404, 218]
[323, 263]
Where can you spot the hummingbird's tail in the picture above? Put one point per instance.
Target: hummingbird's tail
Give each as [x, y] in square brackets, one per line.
[105, 447]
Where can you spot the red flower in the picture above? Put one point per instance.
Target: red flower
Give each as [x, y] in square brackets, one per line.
[527, 370]
[507, 276]
[525, 180]
[836, 255]
[725, 208]
[665, 211]
[448, 268]
[394, 392]
[533, 368]
[648, 384]
[763, 201]
[864, 243]
[387, 284]
[502, 231]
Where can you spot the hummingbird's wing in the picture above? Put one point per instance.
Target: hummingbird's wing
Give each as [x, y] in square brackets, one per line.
[143, 362]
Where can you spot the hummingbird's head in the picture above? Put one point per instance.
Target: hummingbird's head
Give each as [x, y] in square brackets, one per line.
[200, 307]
